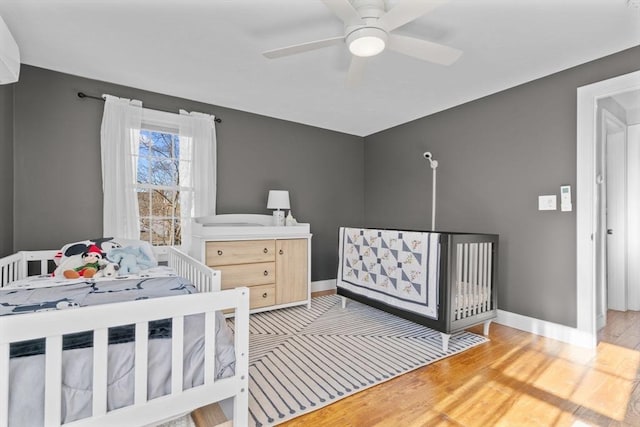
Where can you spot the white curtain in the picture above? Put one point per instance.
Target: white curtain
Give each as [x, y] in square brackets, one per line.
[119, 138]
[197, 169]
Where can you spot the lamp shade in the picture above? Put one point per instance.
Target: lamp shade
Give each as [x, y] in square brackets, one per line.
[9, 56]
[278, 199]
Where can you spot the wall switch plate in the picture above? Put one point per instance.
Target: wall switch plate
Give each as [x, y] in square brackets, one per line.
[547, 202]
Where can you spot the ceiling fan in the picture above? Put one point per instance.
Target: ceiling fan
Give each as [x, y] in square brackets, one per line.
[367, 32]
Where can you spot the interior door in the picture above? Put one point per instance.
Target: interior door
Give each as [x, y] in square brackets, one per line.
[633, 217]
[616, 217]
[599, 237]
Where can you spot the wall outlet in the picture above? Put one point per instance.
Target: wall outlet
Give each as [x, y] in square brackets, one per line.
[547, 202]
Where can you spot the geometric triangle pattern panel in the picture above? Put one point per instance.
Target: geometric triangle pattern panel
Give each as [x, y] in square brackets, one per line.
[390, 265]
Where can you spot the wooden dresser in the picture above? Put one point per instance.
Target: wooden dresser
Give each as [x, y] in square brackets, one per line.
[274, 262]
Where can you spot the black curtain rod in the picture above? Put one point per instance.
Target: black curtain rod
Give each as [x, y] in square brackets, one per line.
[99, 98]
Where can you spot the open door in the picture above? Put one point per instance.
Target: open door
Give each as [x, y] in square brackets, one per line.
[616, 215]
[610, 240]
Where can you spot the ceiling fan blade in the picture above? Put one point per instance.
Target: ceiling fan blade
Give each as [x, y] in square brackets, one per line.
[422, 49]
[356, 70]
[344, 10]
[302, 47]
[407, 11]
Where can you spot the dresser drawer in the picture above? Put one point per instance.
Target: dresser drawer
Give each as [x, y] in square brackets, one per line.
[240, 252]
[261, 273]
[262, 296]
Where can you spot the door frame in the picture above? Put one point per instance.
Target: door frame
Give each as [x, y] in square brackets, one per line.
[586, 200]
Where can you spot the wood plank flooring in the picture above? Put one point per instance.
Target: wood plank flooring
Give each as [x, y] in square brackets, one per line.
[517, 379]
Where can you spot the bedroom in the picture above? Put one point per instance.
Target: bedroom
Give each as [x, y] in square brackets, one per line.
[497, 153]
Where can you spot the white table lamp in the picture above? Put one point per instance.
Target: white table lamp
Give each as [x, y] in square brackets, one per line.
[278, 199]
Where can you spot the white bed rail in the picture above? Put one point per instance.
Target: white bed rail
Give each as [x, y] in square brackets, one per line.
[204, 278]
[53, 325]
[17, 266]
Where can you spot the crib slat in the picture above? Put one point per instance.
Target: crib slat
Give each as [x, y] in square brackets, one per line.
[141, 362]
[490, 276]
[44, 266]
[177, 347]
[53, 380]
[100, 357]
[465, 288]
[209, 347]
[485, 290]
[474, 284]
[458, 280]
[4, 385]
[481, 292]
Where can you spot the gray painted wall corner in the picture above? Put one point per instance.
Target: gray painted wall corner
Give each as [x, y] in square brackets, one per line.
[496, 155]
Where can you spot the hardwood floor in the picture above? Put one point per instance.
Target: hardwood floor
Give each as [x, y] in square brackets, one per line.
[517, 379]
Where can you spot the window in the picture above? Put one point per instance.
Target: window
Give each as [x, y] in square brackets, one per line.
[159, 186]
[158, 171]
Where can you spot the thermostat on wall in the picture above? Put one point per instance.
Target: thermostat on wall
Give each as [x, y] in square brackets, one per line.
[565, 198]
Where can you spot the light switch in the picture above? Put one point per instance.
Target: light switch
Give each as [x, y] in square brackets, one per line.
[547, 203]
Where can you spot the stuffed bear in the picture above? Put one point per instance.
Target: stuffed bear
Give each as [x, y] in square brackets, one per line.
[131, 259]
[92, 259]
[108, 270]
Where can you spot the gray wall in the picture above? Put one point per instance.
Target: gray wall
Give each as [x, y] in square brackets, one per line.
[496, 154]
[58, 180]
[6, 170]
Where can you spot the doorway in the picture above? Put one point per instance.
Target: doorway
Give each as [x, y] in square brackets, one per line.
[598, 210]
[612, 166]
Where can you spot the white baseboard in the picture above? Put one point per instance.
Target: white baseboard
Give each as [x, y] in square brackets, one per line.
[323, 285]
[546, 329]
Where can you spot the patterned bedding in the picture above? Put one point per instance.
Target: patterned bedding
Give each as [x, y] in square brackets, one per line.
[46, 293]
[398, 268]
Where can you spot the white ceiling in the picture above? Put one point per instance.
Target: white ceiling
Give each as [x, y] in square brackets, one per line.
[210, 51]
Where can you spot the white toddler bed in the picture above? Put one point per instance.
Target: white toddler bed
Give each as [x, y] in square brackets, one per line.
[167, 377]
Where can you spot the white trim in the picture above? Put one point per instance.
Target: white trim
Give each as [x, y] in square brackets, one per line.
[323, 285]
[546, 329]
[587, 97]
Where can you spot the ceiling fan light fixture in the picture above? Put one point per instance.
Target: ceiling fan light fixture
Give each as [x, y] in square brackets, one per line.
[367, 41]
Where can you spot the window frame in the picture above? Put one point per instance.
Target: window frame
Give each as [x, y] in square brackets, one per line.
[165, 122]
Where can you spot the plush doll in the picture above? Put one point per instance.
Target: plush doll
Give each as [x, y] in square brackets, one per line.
[92, 259]
[108, 270]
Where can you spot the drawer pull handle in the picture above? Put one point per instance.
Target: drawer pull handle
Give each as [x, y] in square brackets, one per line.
[264, 295]
[266, 273]
[265, 250]
[219, 252]
[281, 252]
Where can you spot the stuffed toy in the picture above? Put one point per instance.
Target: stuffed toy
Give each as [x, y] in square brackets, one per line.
[131, 259]
[92, 259]
[108, 270]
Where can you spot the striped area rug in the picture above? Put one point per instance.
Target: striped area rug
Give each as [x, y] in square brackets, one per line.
[301, 360]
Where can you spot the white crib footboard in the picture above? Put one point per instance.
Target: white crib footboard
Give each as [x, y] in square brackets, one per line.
[53, 325]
